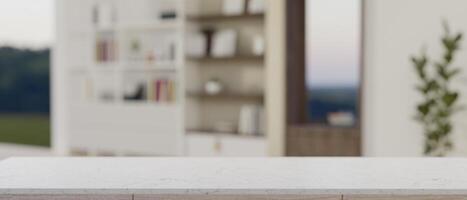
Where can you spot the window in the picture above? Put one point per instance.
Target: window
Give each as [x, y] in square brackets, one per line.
[333, 60]
[27, 27]
[324, 53]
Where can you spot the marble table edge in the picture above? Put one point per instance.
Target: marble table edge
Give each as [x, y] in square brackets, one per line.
[94, 191]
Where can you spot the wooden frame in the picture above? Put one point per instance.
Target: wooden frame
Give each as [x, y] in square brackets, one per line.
[295, 59]
[298, 127]
[231, 197]
[238, 197]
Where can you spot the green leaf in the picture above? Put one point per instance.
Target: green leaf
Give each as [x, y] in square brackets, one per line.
[458, 37]
[445, 42]
[419, 62]
[414, 60]
[447, 128]
[453, 73]
[443, 113]
[421, 89]
[428, 149]
[424, 109]
[434, 136]
[432, 85]
[442, 72]
[448, 57]
[450, 98]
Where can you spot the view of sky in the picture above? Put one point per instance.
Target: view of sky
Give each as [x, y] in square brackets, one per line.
[27, 23]
[333, 42]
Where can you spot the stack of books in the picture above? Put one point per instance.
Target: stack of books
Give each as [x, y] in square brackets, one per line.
[163, 91]
[106, 49]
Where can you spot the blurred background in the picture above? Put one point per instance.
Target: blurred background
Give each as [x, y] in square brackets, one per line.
[26, 41]
[220, 77]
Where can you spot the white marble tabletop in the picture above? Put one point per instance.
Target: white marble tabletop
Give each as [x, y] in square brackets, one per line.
[225, 176]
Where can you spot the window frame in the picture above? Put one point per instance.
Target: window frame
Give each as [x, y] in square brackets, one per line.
[296, 96]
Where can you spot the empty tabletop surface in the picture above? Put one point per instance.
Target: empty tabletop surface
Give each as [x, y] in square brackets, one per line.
[256, 176]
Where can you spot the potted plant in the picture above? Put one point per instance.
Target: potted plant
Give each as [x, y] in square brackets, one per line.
[439, 102]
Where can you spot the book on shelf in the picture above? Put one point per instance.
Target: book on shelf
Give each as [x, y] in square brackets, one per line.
[251, 120]
[163, 91]
[106, 49]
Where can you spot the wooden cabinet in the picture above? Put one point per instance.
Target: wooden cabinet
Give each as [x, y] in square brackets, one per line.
[238, 197]
[323, 141]
[404, 197]
[233, 197]
[66, 197]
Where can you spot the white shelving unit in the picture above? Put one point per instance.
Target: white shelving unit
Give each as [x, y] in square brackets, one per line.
[242, 76]
[120, 99]
[94, 113]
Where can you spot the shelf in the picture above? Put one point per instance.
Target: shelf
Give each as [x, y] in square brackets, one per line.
[222, 18]
[240, 58]
[150, 68]
[151, 26]
[228, 96]
[142, 26]
[147, 103]
[132, 66]
[105, 64]
[110, 29]
[170, 67]
[78, 70]
[125, 104]
[320, 127]
[212, 132]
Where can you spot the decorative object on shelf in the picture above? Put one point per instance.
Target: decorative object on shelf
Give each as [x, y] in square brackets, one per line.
[439, 99]
[106, 96]
[167, 10]
[104, 15]
[150, 58]
[196, 45]
[213, 87]
[250, 122]
[104, 88]
[341, 119]
[135, 49]
[161, 55]
[136, 92]
[168, 15]
[162, 51]
[208, 34]
[233, 7]
[258, 45]
[224, 43]
[256, 6]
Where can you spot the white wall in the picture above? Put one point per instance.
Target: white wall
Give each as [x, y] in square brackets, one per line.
[396, 29]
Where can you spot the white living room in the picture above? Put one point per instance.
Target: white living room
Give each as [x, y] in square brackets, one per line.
[233, 99]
